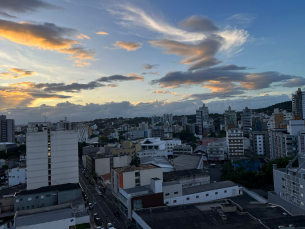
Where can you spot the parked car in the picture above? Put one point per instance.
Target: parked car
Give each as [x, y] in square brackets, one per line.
[90, 205]
[98, 221]
[116, 213]
[95, 215]
[109, 226]
[99, 227]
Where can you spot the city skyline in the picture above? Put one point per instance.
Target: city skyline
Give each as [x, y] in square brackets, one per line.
[140, 58]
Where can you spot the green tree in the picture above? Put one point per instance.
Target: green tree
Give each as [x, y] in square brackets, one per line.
[135, 161]
[103, 139]
[5, 167]
[222, 134]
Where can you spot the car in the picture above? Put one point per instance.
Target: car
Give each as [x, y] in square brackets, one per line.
[109, 226]
[116, 213]
[85, 197]
[99, 227]
[90, 205]
[98, 221]
[95, 215]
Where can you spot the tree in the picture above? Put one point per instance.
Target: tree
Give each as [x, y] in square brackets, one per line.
[94, 176]
[135, 161]
[5, 167]
[103, 139]
[222, 134]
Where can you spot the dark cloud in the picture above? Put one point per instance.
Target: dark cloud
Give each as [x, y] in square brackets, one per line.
[73, 87]
[150, 73]
[41, 95]
[3, 14]
[297, 82]
[149, 66]
[219, 95]
[199, 24]
[120, 78]
[23, 6]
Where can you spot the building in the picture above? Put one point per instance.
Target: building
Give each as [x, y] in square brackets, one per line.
[184, 120]
[235, 143]
[170, 144]
[83, 132]
[230, 119]
[16, 176]
[168, 118]
[246, 120]
[52, 156]
[259, 140]
[143, 126]
[202, 115]
[184, 162]
[136, 134]
[47, 196]
[153, 143]
[217, 150]
[63, 125]
[157, 132]
[278, 117]
[101, 164]
[7, 129]
[155, 119]
[161, 162]
[127, 148]
[298, 103]
[141, 197]
[182, 149]
[133, 176]
[295, 126]
[152, 153]
[188, 178]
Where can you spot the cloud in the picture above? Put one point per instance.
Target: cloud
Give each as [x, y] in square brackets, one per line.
[46, 36]
[165, 92]
[150, 73]
[242, 19]
[217, 94]
[16, 73]
[199, 24]
[102, 33]
[128, 45]
[113, 78]
[297, 82]
[3, 14]
[82, 36]
[149, 66]
[21, 6]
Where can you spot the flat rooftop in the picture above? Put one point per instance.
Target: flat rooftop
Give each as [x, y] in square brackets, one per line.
[135, 168]
[175, 175]
[170, 183]
[137, 189]
[61, 187]
[208, 187]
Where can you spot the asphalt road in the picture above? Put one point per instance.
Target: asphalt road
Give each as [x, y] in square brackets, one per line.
[102, 205]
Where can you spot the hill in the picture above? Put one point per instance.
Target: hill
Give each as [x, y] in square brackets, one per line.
[269, 110]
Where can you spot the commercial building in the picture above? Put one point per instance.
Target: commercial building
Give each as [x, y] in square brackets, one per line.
[230, 119]
[298, 103]
[184, 120]
[7, 129]
[217, 150]
[52, 156]
[101, 164]
[202, 115]
[83, 132]
[246, 120]
[133, 176]
[16, 176]
[235, 143]
[127, 148]
[259, 140]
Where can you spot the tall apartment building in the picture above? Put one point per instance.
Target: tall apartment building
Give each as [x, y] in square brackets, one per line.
[133, 176]
[63, 125]
[259, 140]
[184, 120]
[168, 118]
[246, 120]
[235, 143]
[7, 129]
[202, 115]
[298, 103]
[143, 126]
[52, 156]
[230, 119]
[83, 132]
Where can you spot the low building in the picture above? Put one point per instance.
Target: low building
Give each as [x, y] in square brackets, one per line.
[184, 162]
[188, 178]
[153, 143]
[152, 153]
[133, 176]
[128, 148]
[182, 149]
[217, 150]
[161, 162]
[16, 176]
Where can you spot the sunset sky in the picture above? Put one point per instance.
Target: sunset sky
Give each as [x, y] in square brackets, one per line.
[86, 59]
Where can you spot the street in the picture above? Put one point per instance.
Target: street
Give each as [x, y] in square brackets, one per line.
[102, 205]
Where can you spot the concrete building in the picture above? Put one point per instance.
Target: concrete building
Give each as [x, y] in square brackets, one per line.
[7, 129]
[141, 197]
[63, 125]
[298, 103]
[152, 153]
[82, 130]
[127, 148]
[217, 150]
[101, 164]
[143, 126]
[182, 149]
[136, 134]
[52, 156]
[235, 143]
[133, 176]
[184, 120]
[153, 143]
[202, 115]
[246, 120]
[168, 118]
[155, 119]
[230, 119]
[157, 132]
[16, 176]
[161, 162]
[278, 117]
[259, 140]
[295, 126]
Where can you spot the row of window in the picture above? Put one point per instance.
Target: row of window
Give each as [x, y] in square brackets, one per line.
[37, 197]
[188, 198]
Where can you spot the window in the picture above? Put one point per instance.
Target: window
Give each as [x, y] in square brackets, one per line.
[27, 207]
[175, 201]
[175, 192]
[206, 194]
[54, 195]
[167, 194]
[197, 197]
[187, 198]
[137, 180]
[166, 202]
[22, 208]
[17, 201]
[30, 198]
[32, 206]
[225, 191]
[48, 195]
[216, 193]
[37, 197]
[137, 174]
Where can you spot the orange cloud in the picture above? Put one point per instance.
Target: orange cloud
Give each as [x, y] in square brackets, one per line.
[218, 86]
[102, 33]
[82, 36]
[45, 36]
[16, 73]
[128, 45]
[165, 92]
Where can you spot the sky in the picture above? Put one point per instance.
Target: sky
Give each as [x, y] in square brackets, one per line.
[101, 59]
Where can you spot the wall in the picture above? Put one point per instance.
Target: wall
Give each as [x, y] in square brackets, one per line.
[169, 191]
[121, 161]
[81, 220]
[16, 176]
[102, 166]
[69, 195]
[64, 223]
[255, 195]
[140, 221]
[146, 175]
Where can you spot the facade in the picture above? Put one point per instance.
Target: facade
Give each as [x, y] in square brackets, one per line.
[158, 132]
[202, 115]
[152, 153]
[52, 157]
[235, 143]
[184, 120]
[217, 150]
[259, 140]
[63, 125]
[136, 134]
[168, 118]
[278, 117]
[170, 144]
[133, 176]
[16, 176]
[127, 148]
[246, 120]
[298, 103]
[7, 129]
[182, 149]
[230, 119]
[82, 130]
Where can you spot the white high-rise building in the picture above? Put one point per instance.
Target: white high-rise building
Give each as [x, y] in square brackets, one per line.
[52, 156]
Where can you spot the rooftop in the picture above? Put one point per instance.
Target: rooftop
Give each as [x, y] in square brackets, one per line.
[135, 168]
[208, 187]
[170, 183]
[175, 175]
[61, 187]
[183, 162]
[107, 176]
[137, 189]
[159, 161]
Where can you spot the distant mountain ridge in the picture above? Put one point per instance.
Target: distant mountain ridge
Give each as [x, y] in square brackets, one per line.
[282, 106]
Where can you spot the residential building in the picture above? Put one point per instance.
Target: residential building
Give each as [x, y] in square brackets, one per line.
[63, 125]
[235, 143]
[158, 132]
[168, 118]
[184, 162]
[184, 120]
[83, 132]
[7, 129]
[101, 164]
[170, 144]
[136, 134]
[16, 176]
[188, 178]
[155, 119]
[52, 156]
[202, 115]
[230, 119]
[217, 150]
[182, 149]
[141, 197]
[278, 117]
[127, 148]
[143, 126]
[246, 120]
[298, 103]
[152, 153]
[133, 176]
[295, 126]
[259, 140]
